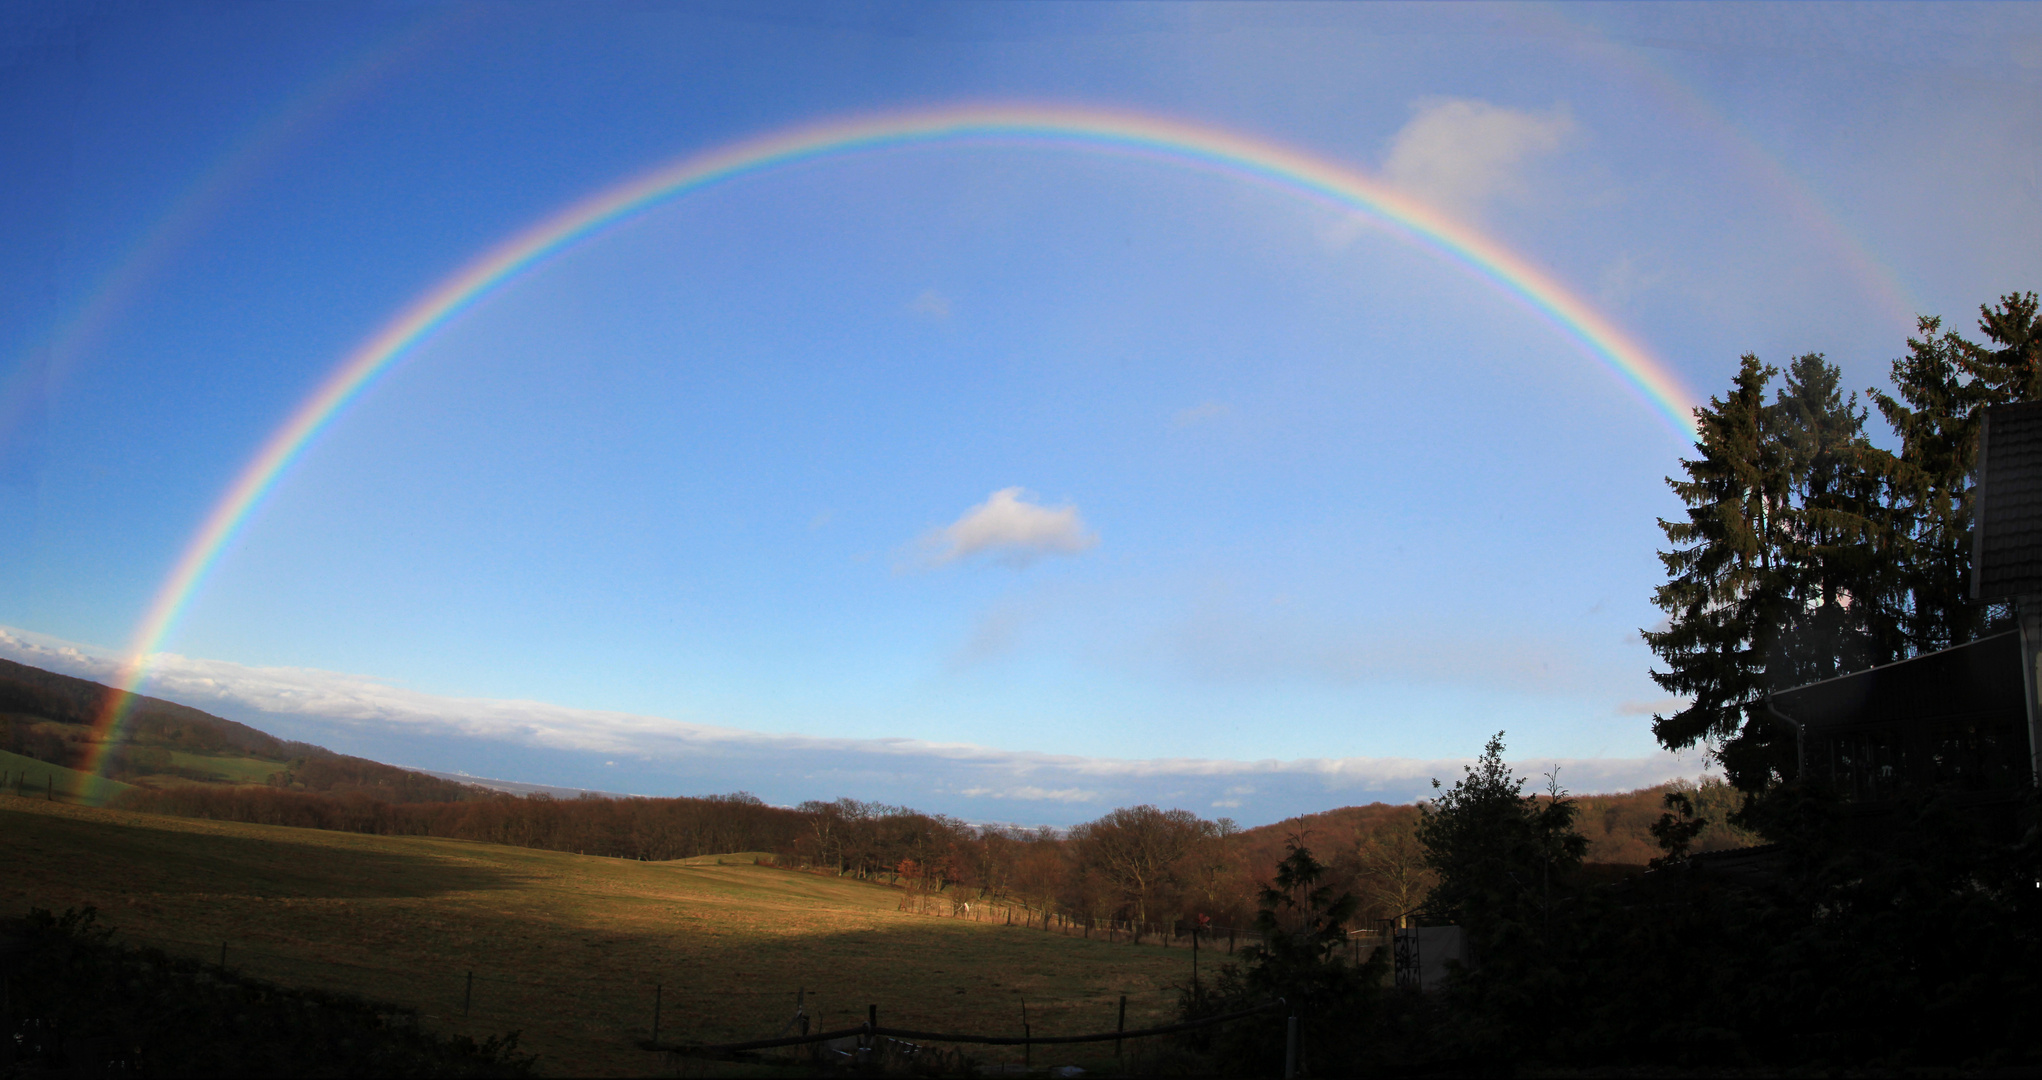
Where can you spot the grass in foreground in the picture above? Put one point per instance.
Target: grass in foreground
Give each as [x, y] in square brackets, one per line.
[568, 948]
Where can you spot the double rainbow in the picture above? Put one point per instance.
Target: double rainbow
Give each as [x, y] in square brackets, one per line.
[1179, 144]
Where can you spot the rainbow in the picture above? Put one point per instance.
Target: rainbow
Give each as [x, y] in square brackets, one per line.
[202, 199]
[1171, 142]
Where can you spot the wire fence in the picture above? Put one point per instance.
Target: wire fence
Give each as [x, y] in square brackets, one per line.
[1175, 933]
[634, 1014]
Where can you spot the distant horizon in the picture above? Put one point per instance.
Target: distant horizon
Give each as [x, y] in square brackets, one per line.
[544, 745]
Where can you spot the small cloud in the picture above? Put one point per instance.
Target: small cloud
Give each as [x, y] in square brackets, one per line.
[1199, 414]
[821, 520]
[1016, 531]
[1462, 154]
[1227, 804]
[931, 305]
[1033, 794]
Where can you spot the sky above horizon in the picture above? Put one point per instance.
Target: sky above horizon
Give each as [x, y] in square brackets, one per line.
[1065, 463]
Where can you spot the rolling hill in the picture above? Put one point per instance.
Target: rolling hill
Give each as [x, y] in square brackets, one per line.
[46, 729]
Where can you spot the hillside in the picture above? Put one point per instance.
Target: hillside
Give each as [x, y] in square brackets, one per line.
[47, 717]
[569, 948]
[1617, 825]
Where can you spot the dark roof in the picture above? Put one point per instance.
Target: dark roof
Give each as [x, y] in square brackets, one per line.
[1982, 677]
[2006, 552]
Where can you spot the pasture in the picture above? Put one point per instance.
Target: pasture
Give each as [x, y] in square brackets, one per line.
[30, 776]
[569, 948]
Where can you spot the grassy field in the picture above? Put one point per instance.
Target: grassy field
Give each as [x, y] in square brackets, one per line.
[569, 948]
[63, 782]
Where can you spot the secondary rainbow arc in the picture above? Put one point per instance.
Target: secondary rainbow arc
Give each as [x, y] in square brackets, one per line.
[1195, 146]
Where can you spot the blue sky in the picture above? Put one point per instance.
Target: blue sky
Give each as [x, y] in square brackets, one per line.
[1076, 466]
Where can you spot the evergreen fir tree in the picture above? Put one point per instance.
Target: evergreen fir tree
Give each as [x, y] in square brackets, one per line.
[1808, 553]
[1936, 416]
[1835, 558]
[1721, 590]
[1781, 574]
[2012, 372]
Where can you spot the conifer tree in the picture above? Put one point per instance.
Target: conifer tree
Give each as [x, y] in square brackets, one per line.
[1721, 589]
[2012, 372]
[1944, 382]
[1781, 573]
[1936, 416]
[1807, 552]
[1835, 561]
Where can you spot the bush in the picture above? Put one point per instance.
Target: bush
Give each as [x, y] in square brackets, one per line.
[1299, 961]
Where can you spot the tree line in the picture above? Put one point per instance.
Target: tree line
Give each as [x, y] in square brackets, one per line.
[1916, 947]
[1140, 866]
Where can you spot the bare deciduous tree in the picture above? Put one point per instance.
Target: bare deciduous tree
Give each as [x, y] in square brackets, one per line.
[1139, 851]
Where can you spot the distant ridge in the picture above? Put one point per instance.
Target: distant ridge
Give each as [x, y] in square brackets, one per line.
[48, 717]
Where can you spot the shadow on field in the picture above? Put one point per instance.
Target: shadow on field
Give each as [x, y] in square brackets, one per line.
[931, 974]
[137, 859]
[582, 954]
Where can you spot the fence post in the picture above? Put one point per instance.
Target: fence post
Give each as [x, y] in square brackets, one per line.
[223, 954]
[1027, 1038]
[656, 988]
[468, 995]
[1290, 1048]
[1120, 1027]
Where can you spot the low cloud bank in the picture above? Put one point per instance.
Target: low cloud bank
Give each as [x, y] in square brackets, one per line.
[543, 743]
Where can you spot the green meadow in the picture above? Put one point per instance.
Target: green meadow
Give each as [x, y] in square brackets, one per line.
[30, 776]
[569, 949]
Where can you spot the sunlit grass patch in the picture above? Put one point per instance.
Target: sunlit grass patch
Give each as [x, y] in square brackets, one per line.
[568, 948]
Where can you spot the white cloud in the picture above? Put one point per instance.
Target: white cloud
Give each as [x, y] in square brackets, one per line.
[1010, 528]
[560, 745]
[1031, 793]
[1461, 154]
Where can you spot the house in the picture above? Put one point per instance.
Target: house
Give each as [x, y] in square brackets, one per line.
[1956, 720]
[1963, 720]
